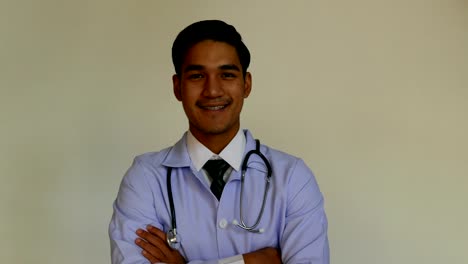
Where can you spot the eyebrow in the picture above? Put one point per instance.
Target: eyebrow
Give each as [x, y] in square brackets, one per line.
[197, 67]
[193, 67]
[229, 67]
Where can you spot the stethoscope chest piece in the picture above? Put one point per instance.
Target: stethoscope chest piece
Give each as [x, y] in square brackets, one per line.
[173, 238]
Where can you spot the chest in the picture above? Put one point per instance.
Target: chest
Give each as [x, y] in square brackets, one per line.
[208, 228]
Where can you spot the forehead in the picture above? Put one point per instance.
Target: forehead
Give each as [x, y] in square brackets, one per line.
[210, 53]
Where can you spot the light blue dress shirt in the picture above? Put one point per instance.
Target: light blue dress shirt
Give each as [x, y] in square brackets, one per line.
[294, 218]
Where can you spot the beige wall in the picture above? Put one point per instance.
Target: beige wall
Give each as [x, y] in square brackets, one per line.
[373, 95]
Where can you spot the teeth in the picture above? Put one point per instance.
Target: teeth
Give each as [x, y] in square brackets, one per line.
[213, 108]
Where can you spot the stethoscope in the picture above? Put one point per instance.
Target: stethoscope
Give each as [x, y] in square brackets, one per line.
[173, 238]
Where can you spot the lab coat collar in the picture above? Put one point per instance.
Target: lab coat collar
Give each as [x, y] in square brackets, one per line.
[232, 153]
[179, 157]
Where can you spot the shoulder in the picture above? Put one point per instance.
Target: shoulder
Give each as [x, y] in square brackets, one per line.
[146, 167]
[272, 154]
[277, 153]
[173, 156]
[293, 176]
[152, 159]
[281, 158]
[289, 168]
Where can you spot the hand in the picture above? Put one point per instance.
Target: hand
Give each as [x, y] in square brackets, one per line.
[155, 248]
[264, 255]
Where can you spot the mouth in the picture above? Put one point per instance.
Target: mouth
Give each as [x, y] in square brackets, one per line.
[214, 107]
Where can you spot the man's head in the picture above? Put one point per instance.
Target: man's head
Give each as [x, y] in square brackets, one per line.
[215, 30]
[211, 80]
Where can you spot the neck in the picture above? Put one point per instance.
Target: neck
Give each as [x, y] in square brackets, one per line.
[214, 142]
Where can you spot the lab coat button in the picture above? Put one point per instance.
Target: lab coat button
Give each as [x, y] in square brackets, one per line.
[223, 223]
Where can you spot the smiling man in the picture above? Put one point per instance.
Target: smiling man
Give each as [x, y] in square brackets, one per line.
[217, 195]
[212, 89]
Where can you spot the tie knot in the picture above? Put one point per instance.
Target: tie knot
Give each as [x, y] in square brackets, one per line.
[216, 168]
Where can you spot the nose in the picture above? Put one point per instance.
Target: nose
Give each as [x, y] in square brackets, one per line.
[213, 87]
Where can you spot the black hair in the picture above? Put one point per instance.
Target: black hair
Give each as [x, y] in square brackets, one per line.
[208, 30]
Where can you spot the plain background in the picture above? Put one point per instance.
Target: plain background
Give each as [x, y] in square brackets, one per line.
[371, 94]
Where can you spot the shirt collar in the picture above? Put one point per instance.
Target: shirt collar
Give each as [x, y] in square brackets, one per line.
[232, 153]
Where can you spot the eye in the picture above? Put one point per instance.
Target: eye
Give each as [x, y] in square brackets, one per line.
[195, 76]
[228, 75]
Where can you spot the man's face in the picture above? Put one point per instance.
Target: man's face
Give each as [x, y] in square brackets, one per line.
[212, 89]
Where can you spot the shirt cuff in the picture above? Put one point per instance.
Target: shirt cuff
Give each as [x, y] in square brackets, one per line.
[239, 259]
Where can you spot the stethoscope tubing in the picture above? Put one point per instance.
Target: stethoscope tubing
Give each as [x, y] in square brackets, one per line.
[257, 152]
[257, 221]
[172, 236]
[171, 200]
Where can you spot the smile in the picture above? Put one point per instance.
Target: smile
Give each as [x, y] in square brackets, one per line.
[214, 108]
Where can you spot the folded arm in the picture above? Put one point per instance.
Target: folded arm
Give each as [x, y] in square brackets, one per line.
[155, 249]
[134, 210]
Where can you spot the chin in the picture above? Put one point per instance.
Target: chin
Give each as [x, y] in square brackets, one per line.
[214, 130]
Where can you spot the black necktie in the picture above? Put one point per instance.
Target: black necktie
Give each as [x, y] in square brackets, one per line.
[216, 170]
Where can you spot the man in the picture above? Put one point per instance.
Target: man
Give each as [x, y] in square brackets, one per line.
[219, 217]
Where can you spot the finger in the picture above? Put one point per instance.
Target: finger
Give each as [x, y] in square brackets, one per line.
[155, 241]
[149, 257]
[161, 237]
[156, 231]
[149, 249]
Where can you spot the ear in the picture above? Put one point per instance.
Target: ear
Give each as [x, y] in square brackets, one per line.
[247, 84]
[176, 87]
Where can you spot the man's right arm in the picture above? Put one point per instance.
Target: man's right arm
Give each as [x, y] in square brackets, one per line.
[133, 209]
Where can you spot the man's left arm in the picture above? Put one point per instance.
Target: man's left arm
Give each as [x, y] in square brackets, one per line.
[304, 238]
